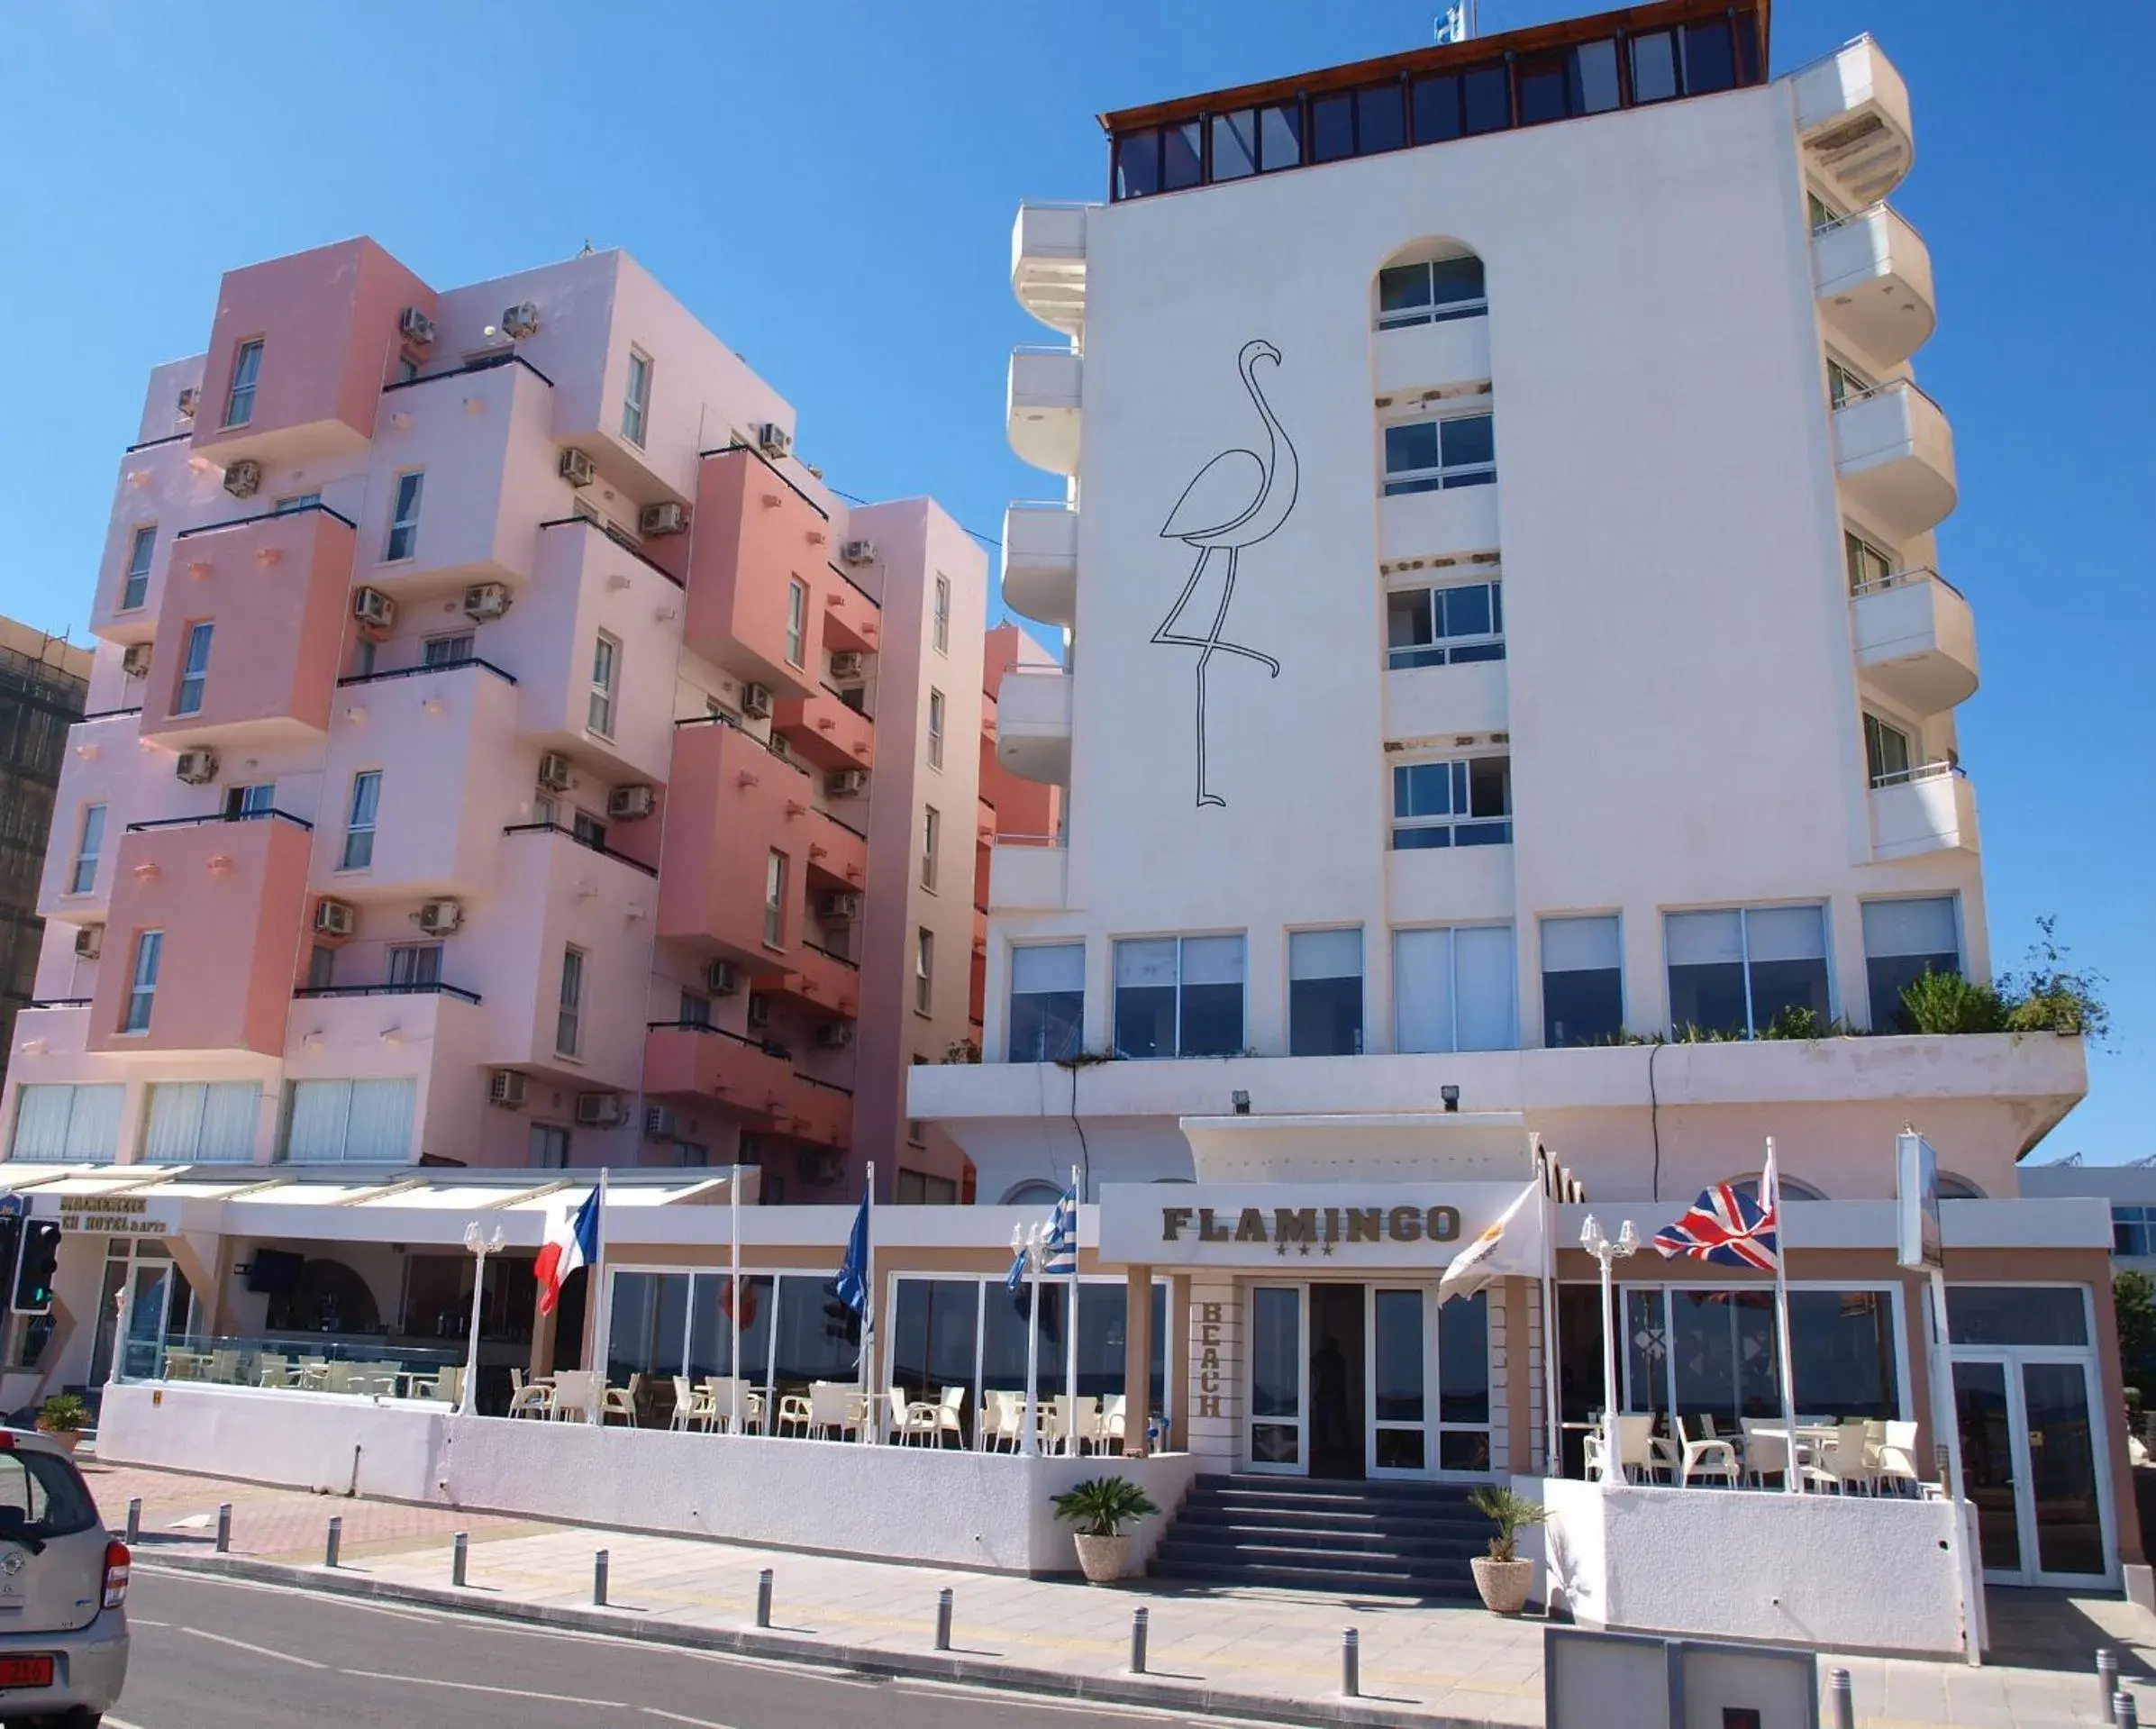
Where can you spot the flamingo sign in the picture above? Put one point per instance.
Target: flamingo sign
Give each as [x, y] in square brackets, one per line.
[1237, 499]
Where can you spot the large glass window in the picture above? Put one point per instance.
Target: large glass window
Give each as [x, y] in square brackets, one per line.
[1324, 992]
[1425, 455]
[1434, 627]
[1867, 566]
[135, 588]
[67, 1125]
[2017, 1315]
[1180, 996]
[198, 1121]
[414, 966]
[2134, 1231]
[450, 650]
[142, 990]
[247, 371]
[1583, 981]
[1464, 804]
[1463, 1383]
[89, 846]
[359, 821]
[1888, 752]
[403, 518]
[195, 669]
[1430, 293]
[1048, 1001]
[1733, 971]
[1903, 941]
[1453, 990]
[353, 1122]
[1711, 1350]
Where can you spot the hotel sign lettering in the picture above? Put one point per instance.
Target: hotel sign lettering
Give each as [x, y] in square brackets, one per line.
[1343, 1225]
[117, 1216]
[1320, 1224]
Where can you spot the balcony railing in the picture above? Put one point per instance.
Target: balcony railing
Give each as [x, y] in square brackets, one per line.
[221, 816]
[1901, 579]
[599, 847]
[59, 1002]
[152, 443]
[106, 714]
[428, 987]
[830, 954]
[859, 834]
[1920, 771]
[620, 540]
[267, 516]
[828, 1086]
[422, 671]
[778, 750]
[771, 1048]
[485, 363]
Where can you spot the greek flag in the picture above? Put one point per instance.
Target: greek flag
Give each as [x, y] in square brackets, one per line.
[1062, 1256]
[1452, 22]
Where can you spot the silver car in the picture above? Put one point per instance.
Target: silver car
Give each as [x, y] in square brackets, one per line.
[63, 1586]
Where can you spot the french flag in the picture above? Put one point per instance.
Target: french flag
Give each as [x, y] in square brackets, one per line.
[572, 1241]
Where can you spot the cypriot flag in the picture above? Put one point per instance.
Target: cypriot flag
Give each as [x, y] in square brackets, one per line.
[1494, 1254]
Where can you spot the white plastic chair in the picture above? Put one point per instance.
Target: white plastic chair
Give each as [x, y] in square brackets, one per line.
[951, 1415]
[275, 1371]
[1113, 1421]
[720, 1390]
[1704, 1453]
[692, 1406]
[621, 1401]
[576, 1392]
[910, 1419]
[1839, 1464]
[1765, 1455]
[793, 1413]
[1894, 1466]
[533, 1398]
[830, 1410]
[1000, 1416]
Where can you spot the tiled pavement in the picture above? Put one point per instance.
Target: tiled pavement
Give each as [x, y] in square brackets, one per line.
[1436, 1663]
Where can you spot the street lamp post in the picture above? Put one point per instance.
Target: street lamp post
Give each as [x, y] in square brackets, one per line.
[1605, 1252]
[481, 1246]
[1030, 1243]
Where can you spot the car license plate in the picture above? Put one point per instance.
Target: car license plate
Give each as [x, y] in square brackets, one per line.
[25, 1671]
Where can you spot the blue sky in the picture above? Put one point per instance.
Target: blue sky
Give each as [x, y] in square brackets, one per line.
[831, 187]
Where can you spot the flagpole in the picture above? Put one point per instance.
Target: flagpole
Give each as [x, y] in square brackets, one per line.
[1071, 1435]
[1028, 1435]
[600, 1303]
[1772, 1182]
[734, 1206]
[1553, 1433]
[867, 1363]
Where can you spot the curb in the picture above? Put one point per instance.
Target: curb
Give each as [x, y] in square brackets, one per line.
[629, 1623]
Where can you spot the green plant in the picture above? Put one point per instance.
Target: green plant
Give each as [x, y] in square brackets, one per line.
[2047, 996]
[2134, 1303]
[1101, 1506]
[1510, 1512]
[1796, 1021]
[63, 1414]
[1945, 1002]
[962, 1051]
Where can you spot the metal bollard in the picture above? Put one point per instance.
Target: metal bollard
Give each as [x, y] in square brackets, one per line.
[460, 1553]
[1350, 1664]
[336, 1542]
[2106, 1675]
[224, 1526]
[763, 1599]
[134, 1520]
[1843, 1697]
[2125, 1712]
[598, 1580]
[944, 1619]
[1138, 1626]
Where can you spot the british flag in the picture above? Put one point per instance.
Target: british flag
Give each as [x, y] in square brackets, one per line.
[1729, 1225]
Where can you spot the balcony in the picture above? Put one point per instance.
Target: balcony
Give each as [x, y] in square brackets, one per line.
[1920, 812]
[1424, 357]
[1043, 415]
[709, 1064]
[1449, 884]
[818, 980]
[1894, 453]
[1437, 525]
[852, 617]
[756, 537]
[1874, 276]
[1032, 724]
[1048, 264]
[838, 853]
[1039, 562]
[1029, 874]
[1853, 116]
[275, 587]
[826, 729]
[818, 1113]
[730, 804]
[1427, 703]
[1916, 640]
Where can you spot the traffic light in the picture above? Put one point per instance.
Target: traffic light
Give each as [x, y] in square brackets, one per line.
[40, 1260]
[10, 1244]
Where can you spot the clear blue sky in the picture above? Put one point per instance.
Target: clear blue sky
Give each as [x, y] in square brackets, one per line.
[831, 185]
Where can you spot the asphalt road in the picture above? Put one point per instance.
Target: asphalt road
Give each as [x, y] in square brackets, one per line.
[219, 1655]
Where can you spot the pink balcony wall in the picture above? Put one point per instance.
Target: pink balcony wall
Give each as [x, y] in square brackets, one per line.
[731, 804]
[755, 536]
[737, 1078]
[159, 489]
[229, 899]
[327, 323]
[826, 732]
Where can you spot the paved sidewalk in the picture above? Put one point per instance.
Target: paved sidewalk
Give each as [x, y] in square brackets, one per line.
[1420, 1665]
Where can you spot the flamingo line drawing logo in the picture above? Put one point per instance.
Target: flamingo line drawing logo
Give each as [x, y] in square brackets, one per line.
[1236, 500]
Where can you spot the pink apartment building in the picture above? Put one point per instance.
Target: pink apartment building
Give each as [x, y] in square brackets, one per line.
[503, 749]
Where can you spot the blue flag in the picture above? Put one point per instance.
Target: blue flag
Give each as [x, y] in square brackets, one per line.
[852, 1286]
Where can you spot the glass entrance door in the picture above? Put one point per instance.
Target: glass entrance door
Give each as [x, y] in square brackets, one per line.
[2031, 1466]
[1399, 1376]
[1278, 1362]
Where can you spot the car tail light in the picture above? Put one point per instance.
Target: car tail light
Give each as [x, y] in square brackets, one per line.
[119, 1567]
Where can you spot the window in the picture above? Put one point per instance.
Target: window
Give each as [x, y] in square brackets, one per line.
[246, 368]
[67, 1125]
[415, 965]
[1180, 996]
[549, 1146]
[1583, 981]
[359, 818]
[1822, 214]
[605, 659]
[135, 588]
[1887, 751]
[297, 501]
[636, 400]
[1424, 455]
[939, 628]
[89, 845]
[1736, 970]
[1867, 564]
[1431, 292]
[451, 651]
[2132, 1230]
[1048, 1001]
[1432, 627]
[1845, 384]
[932, 832]
[363, 657]
[1465, 803]
[243, 802]
[1654, 66]
[774, 900]
[351, 1122]
[1234, 144]
[322, 968]
[1453, 990]
[1324, 992]
[407, 369]
[403, 518]
[924, 970]
[142, 990]
[587, 830]
[193, 1120]
[796, 622]
[695, 1008]
[1903, 941]
[567, 1021]
[194, 669]
[1568, 83]
[935, 729]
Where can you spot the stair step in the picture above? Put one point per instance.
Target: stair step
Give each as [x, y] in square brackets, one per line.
[1336, 1518]
[1333, 1580]
[1272, 1537]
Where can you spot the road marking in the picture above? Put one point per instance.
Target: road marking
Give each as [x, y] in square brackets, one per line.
[143, 1621]
[474, 1687]
[671, 1716]
[260, 1650]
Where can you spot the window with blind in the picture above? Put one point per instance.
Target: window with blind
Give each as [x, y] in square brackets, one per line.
[1180, 996]
[1583, 981]
[351, 1122]
[1453, 990]
[72, 1125]
[1733, 970]
[1048, 1001]
[1903, 941]
[193, 1122]
[1324, 992]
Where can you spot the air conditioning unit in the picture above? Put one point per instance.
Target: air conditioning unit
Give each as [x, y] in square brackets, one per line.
[578, 468]
[335, 918]
[134, 660]
[89, 941]
[858, 552]
[760, 1011]
[190, 399]
[520, 321]
[196, 768]
[848, 663]
[658, 1123]
[554, 772]
[373, 608]
[415, 327]
[819, 1166]
[486, 600]
[655, 519]
[774, 440]
[439, 918]
[841, 906]
[756, 701]
[722, 978]
[505, 1089]
[834, 1035]
[628, 804]
[846, 783]
[243, 479]
[599, 1110]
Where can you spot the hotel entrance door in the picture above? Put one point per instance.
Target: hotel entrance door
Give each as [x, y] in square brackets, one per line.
[1337, 1398]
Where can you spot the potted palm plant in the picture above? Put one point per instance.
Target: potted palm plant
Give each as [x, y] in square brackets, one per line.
[62, 1417]
[1100, 1507]
[1501, 1576]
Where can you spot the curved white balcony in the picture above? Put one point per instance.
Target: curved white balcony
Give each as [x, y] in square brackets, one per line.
[1852, 114]
[1874, 274]
[1916, 640]
[1029, 873]
[1894, 453]
[1045, 394]
[1039, 562]
[1032, 724]
[1048, 264]
[1925, 810]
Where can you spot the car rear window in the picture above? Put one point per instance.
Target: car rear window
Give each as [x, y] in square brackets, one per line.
[42, 1496]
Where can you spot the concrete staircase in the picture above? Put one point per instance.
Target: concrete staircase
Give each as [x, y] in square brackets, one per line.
[1389, 1539]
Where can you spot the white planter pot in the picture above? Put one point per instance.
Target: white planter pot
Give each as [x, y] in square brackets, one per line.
[1103, 1559]
[1503, 1584]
